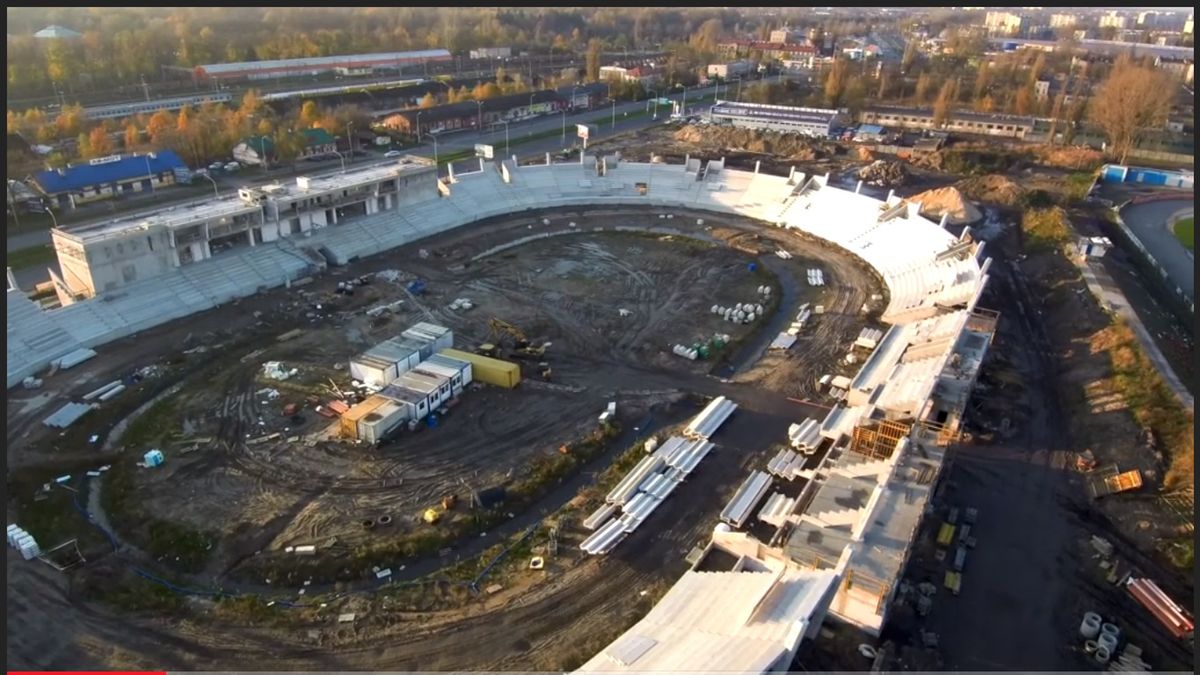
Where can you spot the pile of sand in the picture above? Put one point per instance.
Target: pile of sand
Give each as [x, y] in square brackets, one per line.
[992, 189]
[947, 201]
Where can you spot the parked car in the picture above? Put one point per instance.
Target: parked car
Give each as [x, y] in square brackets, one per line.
[392, 153]
[216, 166]
[232, 167]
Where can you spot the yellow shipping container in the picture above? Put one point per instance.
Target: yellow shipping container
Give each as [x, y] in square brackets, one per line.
[353, 415]
[488, 370]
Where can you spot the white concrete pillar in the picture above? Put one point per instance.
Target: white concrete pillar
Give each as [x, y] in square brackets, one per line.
[757, 163]
[858, 188]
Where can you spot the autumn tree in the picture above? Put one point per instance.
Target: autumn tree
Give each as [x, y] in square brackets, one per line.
[942, 106]
[309, 114]
[133, 137]
[835, 83]
[982, 81]
[924, 87]
[71, 121]
[99, 143]
[161, 128]
[910, 57]
[428, 101]
[1023, 100]
[592, 60]
[705, 39]
[1131, 101]
[1056, 113]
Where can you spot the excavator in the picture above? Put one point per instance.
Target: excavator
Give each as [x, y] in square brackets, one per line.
[499, 329]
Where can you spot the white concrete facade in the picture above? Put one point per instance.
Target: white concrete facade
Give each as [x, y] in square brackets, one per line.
[108, 255]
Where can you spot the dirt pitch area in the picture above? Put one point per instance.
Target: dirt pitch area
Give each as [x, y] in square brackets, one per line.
[305, 487]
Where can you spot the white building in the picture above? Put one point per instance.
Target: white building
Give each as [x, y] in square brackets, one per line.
[491, 53]
[107, 255]
[726, 71]
[1114, 20]
[1003, 23]
[1063, 20]
[816, 122]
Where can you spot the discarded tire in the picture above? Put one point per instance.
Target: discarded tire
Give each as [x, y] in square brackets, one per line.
[368, 524]
[384, 520]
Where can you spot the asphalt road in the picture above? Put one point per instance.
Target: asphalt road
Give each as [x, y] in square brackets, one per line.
[1149, 222]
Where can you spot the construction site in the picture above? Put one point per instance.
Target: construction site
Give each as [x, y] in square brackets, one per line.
[546, 416]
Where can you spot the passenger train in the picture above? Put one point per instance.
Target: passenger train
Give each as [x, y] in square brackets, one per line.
[119, 110]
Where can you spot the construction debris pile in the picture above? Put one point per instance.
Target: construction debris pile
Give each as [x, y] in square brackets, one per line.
[992, 189]
[783, 146]
[883, 173]
[948, 201]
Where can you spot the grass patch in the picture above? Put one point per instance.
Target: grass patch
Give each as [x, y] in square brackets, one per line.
[129, 592]
[1151, 401]
[1046, 228]
[31, 257]
[1185, 232]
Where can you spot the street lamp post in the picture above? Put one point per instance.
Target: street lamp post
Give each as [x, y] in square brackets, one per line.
[531, 103]
[435, 148]
[614, 114]
[350, 136]
[343, 158]
[505, 122]
[216, 192]
[53, 218]
[655, 97]
[564, 125]
[479, 123]
[683, 106]
[149, 173]
[419, 124]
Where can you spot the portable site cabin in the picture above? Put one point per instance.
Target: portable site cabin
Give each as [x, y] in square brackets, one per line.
[441, 388]
[488, 370]
[379, 422]
[457, 370]
[414, 403]
[352, 417]
[435, 337]
[385, 361]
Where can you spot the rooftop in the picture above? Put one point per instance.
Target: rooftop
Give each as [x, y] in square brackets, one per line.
[964, 115]
[187, 214]
[764, 111]
[117, 168]
[55, 31]
[345, 61]
[720, 622]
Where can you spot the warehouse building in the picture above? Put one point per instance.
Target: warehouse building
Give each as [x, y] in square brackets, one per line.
[107, 255]
[108, 177]
[818, 122]
[352, 63]
[965, 122]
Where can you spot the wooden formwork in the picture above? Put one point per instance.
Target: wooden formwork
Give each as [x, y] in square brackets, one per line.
[878, 438]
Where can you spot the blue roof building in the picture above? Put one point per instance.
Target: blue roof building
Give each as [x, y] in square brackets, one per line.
[106, 177]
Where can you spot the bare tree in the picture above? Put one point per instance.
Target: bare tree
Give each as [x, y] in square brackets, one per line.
[835, 83]
[1132, 100]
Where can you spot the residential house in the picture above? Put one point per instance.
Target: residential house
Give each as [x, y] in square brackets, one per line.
[259, 150]
[108, 177]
